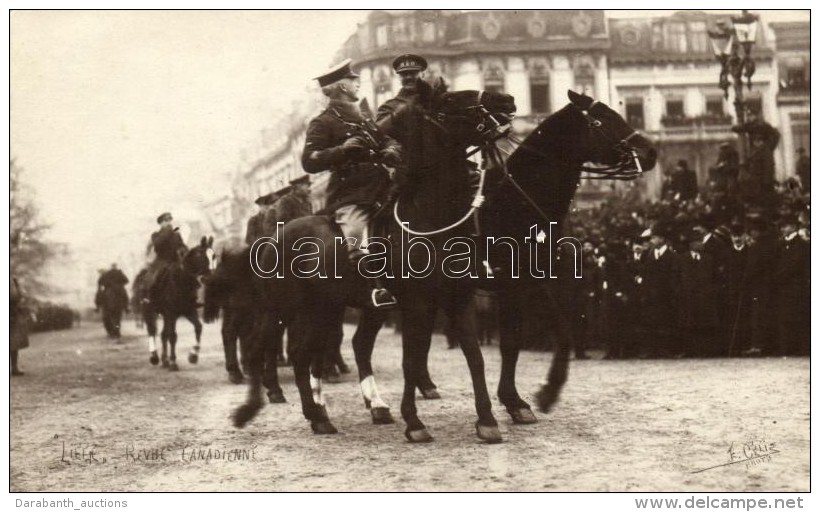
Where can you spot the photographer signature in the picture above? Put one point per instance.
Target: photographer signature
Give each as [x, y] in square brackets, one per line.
[752, 453]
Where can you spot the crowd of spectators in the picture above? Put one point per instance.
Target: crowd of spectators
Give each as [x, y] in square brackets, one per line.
[720, 271]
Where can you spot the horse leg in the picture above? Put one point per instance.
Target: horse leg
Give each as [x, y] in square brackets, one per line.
[417, 326]
[364, 340]
[333, 346]
[307, 332]
[172, 340]
[151, 325]
[193, 355]
[510, 318]
[424, 383]
[165, 335]
[464, 327]
[229, 338]
[255, 358]
[559, 367]
[272, 336]
[279, 333]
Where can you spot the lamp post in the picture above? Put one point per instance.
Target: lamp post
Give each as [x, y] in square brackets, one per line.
[727, 43]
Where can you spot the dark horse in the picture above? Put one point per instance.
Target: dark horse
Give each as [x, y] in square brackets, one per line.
[113, 301]
[313, 290]
[588, 139]
[177, 299]
[232, 289]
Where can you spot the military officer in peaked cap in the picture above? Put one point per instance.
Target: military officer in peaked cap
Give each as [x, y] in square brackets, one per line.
[339, 140]
[256, 224]
[414, 91]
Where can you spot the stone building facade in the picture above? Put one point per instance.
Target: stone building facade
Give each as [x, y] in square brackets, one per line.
[659, 72]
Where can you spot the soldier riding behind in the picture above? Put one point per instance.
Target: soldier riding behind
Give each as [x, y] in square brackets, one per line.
[341, 140]
[257, 226]
[169, 248]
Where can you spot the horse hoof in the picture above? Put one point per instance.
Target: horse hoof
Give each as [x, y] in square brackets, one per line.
[418, 436]
[522, 416]
[193, 358]
[276, 397]
[546, 397]
[323, 427]
[165, 363]
[154, 359]
[488, 434]
[430, 394]
[173, 367]
[236, 377]
[381, 416]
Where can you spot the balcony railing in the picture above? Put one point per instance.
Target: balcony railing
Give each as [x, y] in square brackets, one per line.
[702, 120]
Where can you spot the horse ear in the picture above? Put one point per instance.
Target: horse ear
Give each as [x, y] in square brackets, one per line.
[210, 241]
[203, 242]
[579, 100]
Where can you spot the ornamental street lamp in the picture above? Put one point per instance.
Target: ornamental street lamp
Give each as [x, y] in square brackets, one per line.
[726, 44]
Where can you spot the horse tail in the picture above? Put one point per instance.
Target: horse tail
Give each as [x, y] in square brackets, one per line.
[215, 292]
[233, 273]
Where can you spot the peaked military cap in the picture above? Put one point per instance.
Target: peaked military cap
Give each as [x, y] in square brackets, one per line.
[266, 199]
[339, 71]
[165, 216]
[409, 62]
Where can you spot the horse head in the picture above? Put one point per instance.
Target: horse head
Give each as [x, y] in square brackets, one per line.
[200, 260]
[612, 145]
[471, 117]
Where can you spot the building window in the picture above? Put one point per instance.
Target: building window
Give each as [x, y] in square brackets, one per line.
[801, 136]
[699, 38]
[494, 78]
[585, 80]
[714, 106]
[676, 37]
[796, 78]
[634, 113]
[382, 85]
[754, 106]
[674, 108]
[381, 36]
[540, 97]
[539, 87]
[428, 31]
[400, 33]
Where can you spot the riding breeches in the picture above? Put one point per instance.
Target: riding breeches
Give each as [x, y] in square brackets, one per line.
[353, 220]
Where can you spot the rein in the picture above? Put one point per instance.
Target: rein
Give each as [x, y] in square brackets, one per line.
[478, 198]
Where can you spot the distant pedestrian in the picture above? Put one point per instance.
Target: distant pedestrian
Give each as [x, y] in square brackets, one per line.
[19, 320]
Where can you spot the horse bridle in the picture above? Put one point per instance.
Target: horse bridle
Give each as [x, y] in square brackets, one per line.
[630, 166]
[490, 136]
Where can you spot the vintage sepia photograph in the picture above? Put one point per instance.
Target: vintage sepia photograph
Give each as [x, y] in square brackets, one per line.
[409, 251]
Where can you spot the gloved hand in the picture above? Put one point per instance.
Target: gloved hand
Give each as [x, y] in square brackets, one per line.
[356, 148]
[390, 157]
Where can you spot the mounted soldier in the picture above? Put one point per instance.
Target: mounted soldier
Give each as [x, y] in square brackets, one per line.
[296, 203]
[257, 224]
[341, 140]
[168, 247]
[414, 92]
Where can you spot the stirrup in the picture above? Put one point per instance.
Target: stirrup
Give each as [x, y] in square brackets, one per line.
[381, 298]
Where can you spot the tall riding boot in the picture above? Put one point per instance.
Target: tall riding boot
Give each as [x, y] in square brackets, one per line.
[379, 296]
